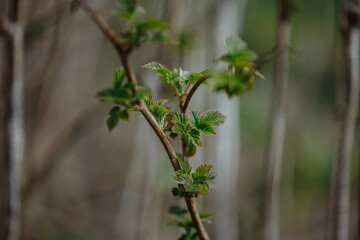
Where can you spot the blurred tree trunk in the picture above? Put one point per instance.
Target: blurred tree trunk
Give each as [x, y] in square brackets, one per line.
[229, 22]
[12, 119]
[340, 208]
[277, 136]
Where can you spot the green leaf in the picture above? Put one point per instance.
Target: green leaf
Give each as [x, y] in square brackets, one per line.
[176, 192]
[173, 136]
[128, 9]
[153, 24]
[241, 59]
[112, 121]
[206, 214]
[118, 78]
[183, 179]
[120, 96]
[158, 37]
[203, 171]
[194, 135]
[181, 124]
[181, 77]
[213, 118]
[194, 77]
[159, 68]
[142, 93]
[177, 211]
[114, 117]
[232, 83]
[184, 163]
[198, 122]
[124, 115]
[206, 129]
[160, 113]
[235, 45]
[190, 149]
[195, 117]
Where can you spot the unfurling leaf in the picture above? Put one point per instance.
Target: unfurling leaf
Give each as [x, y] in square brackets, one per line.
[190, 148]
[159, 68]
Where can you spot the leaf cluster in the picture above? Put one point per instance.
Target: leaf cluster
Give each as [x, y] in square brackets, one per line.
[189, 126]
[124, 96]
[161, 113]
[140, 30]
[182, 219]
[238, 77]
[192, 182]
[179, 80]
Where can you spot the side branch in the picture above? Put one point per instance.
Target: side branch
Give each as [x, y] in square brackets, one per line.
[184, 106]
[122, 50]
[104, 26]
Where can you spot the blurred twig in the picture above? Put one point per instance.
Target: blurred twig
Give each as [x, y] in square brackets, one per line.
[340, 204]
[61, 142]
[13, 125]
[276, 144]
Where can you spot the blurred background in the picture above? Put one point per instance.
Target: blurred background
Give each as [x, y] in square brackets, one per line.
[81, 181]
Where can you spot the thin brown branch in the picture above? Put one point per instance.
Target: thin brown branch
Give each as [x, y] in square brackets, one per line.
[104, 26]
[276, 143]
[161, 135]
[61, 142]
[123, 54]
[190, 202]
[184, 105]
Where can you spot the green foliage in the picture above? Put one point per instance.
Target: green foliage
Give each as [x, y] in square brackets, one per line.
[187, 127]
[203, 122]
[192, 182]
[128, 9]
[160, 112]
[140, 30]
[124, 96]
[234, 80]
[190, 127]
[240, 74]
[182, 219]
[179, 80]
[115, 114]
